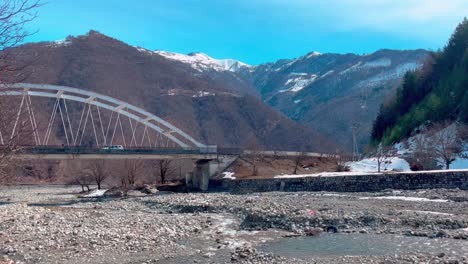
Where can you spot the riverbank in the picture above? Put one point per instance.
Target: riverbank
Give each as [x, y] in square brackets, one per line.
[50, 224]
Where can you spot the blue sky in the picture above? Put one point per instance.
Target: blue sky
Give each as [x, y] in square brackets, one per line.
[256, 31]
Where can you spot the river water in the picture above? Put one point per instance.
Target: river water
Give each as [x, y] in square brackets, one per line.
[342, 244]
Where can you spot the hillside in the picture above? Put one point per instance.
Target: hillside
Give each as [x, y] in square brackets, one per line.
[214, 108]
[331, 93]
[335, 92]
[437, 92]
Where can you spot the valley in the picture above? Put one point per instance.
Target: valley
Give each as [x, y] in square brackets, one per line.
[248, 132]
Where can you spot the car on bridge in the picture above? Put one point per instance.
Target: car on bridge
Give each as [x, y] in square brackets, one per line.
[114, 147]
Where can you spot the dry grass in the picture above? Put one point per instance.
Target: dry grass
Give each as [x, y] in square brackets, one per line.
[271, 167]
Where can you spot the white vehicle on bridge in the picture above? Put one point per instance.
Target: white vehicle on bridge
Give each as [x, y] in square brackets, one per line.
[114, 147]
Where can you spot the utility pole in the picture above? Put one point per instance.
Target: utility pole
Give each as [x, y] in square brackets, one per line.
[354, 128]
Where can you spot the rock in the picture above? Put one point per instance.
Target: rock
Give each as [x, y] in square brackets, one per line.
[208, 255]
[115, 192]
[331, 229]
[440, 234]
[453, 261]
[147, 189]
[313, 231]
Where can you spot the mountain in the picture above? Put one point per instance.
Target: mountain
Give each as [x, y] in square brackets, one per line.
[334, 93]
[213, 104]
[202, 62]
[437, 92]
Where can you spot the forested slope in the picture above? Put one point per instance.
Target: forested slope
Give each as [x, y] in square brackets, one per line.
[437, 92]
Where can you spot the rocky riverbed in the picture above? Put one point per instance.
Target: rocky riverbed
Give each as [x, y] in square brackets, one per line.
[51, 224]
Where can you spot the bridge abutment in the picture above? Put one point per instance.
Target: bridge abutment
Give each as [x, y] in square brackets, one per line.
[205, 169]
[200, 177]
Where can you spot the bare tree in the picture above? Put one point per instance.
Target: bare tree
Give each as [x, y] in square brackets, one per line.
[98, 172]
[463, 134]
[84, 180]
[423, 155]
[164, 169]
[448, 143]
[383, 155]
[133, 170]
[14, 130]
[339, 159]
[298, 160]
[254, 158]
[14, 15]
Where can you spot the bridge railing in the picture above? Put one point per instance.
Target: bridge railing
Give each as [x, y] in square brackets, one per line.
[206, 150]
[76, 150]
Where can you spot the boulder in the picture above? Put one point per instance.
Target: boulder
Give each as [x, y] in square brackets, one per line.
[115, 192]
[313, 231]
[147, 189]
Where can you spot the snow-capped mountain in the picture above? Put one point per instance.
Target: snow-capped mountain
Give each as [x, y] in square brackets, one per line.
[330, 92]
[334, 92]
[199, 94]
[202, 62]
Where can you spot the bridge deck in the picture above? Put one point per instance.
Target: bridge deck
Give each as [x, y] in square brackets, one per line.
[62, 153]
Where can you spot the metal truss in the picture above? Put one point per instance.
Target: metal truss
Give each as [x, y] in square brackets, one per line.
[104, 135]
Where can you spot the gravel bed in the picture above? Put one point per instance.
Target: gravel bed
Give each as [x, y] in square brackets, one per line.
[50, 224]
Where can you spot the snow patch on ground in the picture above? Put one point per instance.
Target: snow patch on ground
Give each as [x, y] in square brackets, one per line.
[299, 83]
[203, 94]
[407, 147]
[299, 73]
[291, 62]
[60, 43]
[228, 175]
[428, 212]
[323, 174]
[384, 62]
[334, 195]
[94, 194]
[356, 173]
[353, 68]
[326, 74]
[405, 198]
[231, 65]
[392, 74]
[370, 165]
[380, 63]
[460, 163]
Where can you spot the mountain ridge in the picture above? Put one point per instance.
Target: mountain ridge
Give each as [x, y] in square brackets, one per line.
[215, 108]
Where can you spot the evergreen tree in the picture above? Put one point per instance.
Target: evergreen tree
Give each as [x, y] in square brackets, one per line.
[437, 92]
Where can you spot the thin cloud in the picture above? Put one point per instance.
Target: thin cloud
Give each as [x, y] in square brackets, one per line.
[417, 18]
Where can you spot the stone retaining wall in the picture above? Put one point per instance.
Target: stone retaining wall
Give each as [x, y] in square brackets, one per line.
[358, 183]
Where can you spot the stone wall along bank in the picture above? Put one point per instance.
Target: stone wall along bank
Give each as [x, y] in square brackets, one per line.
[355, 183]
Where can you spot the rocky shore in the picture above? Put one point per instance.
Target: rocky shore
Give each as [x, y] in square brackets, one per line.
[50, 224]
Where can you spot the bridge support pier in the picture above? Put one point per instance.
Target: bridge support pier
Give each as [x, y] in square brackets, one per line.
[200, 177]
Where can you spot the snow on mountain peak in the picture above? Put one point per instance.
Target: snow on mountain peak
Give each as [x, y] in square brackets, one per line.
[202, 62]
[313, 54]
[59, 43]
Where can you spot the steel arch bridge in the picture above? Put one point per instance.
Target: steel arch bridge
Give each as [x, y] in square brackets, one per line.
[107, 120]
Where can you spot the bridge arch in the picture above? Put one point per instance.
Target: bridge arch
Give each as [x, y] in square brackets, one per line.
[118, 107]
